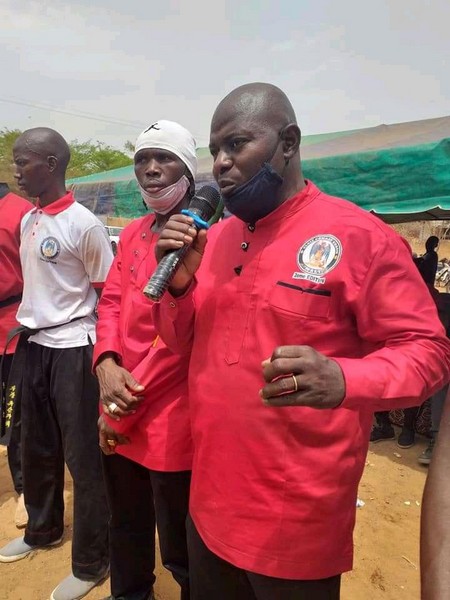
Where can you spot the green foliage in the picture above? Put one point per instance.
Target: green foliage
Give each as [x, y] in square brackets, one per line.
[129, 147]
[7, 139]
[86, 157]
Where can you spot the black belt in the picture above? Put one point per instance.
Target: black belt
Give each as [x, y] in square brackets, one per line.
[11, 300]
[12, 389]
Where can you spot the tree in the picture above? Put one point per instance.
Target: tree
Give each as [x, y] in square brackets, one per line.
[7, 139]
[86, 157]
[129, 147]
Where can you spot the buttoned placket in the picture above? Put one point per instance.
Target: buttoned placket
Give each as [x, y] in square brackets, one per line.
[139, 254]
[36, 222]
[251, 249]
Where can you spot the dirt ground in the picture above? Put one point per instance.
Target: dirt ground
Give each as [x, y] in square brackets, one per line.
[386, 536]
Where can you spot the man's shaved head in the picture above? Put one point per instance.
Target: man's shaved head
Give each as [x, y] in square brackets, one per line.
[41, 156]
[254, 131]
[262, 102]
[45, 142]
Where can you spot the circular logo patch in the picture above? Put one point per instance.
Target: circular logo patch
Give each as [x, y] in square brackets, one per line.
[319, 255]
[50, 248]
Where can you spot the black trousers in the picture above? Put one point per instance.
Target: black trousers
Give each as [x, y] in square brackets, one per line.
[215, 579]
[410, 415]
[138, 498]
[59, 423]
[14, 449]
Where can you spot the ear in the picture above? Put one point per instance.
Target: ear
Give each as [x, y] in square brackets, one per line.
[291, 137]
[52, 163]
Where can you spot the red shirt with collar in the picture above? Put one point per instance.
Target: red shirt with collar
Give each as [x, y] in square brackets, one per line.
[274, 489]
[160, 430]
[12, 209]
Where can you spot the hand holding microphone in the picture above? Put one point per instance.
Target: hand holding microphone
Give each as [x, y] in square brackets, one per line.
[181, 244]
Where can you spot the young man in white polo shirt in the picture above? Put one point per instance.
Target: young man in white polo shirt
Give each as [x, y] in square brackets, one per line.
[65, 254]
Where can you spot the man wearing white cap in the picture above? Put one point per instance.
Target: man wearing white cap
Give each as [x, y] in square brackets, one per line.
[144, 425]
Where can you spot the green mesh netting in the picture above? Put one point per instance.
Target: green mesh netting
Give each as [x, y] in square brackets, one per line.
[398, 180]
[391, 182]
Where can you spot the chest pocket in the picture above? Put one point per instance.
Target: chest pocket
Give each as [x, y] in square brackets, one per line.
[293, 300]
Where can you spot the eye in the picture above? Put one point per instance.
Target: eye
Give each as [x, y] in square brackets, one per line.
[237, 143]
[164, 157]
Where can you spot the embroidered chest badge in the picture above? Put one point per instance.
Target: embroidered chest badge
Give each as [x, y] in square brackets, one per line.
[317, 257]
[50, 249]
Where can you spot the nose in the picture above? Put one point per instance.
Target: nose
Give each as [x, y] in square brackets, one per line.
[153, 168]
[222, 163]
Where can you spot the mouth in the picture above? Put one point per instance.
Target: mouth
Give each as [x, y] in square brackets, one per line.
[153, 187]
[226, 187]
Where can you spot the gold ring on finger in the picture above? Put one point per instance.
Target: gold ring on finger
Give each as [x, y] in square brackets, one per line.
[295, 384]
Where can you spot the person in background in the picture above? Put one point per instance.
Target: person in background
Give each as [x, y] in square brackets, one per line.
[383, 430]
[148, 454]
[437, 404]
[65, 256]
[300, 323]
[428, 262]
[12, 209]
[435, 523]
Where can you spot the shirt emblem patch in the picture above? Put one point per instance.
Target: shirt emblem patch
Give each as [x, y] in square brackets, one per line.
[50, 249]
[317, 257]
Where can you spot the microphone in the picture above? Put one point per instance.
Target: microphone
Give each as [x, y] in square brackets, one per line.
[202, 208]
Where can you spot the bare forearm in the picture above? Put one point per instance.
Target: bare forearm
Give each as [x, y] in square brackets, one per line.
[435, 526]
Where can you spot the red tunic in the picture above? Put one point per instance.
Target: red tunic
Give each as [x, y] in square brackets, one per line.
[160, 430]
[12, 209]
[274, 489]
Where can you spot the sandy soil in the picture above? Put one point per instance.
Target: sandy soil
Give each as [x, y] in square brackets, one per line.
[386, 536]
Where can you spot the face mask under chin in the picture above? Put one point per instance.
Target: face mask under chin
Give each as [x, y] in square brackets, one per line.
[257, 197]
[165, 200]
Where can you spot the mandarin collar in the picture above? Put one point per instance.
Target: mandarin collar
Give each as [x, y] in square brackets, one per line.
[57, 206]
[291, 205]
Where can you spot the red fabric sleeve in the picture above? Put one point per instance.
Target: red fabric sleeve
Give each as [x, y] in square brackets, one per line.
[174, 320]
[395, 311]
[108, 310]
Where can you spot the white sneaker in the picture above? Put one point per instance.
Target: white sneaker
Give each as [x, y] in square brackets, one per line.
[21, 516]
[18, 549]
[72, 588]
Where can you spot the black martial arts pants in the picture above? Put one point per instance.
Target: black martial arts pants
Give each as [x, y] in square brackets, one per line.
[215, 579]
[59, 423]
[14, 449]
[138, 498]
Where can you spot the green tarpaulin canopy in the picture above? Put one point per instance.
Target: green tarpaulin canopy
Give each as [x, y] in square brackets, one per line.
[397, 183]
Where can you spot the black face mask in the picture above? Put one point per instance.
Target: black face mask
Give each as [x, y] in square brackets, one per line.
[258, 196]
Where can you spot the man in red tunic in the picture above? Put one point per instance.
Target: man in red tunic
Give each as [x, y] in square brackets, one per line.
[147, 478]
[291, 355]
[12, 209]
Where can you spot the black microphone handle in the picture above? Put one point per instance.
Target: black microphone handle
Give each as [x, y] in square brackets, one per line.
[164, 273]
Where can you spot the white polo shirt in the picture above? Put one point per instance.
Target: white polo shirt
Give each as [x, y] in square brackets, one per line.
[65, 253]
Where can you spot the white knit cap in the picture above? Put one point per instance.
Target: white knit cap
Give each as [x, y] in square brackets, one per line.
[168, 135]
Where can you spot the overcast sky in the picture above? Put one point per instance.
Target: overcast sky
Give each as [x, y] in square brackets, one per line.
[344, 65]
